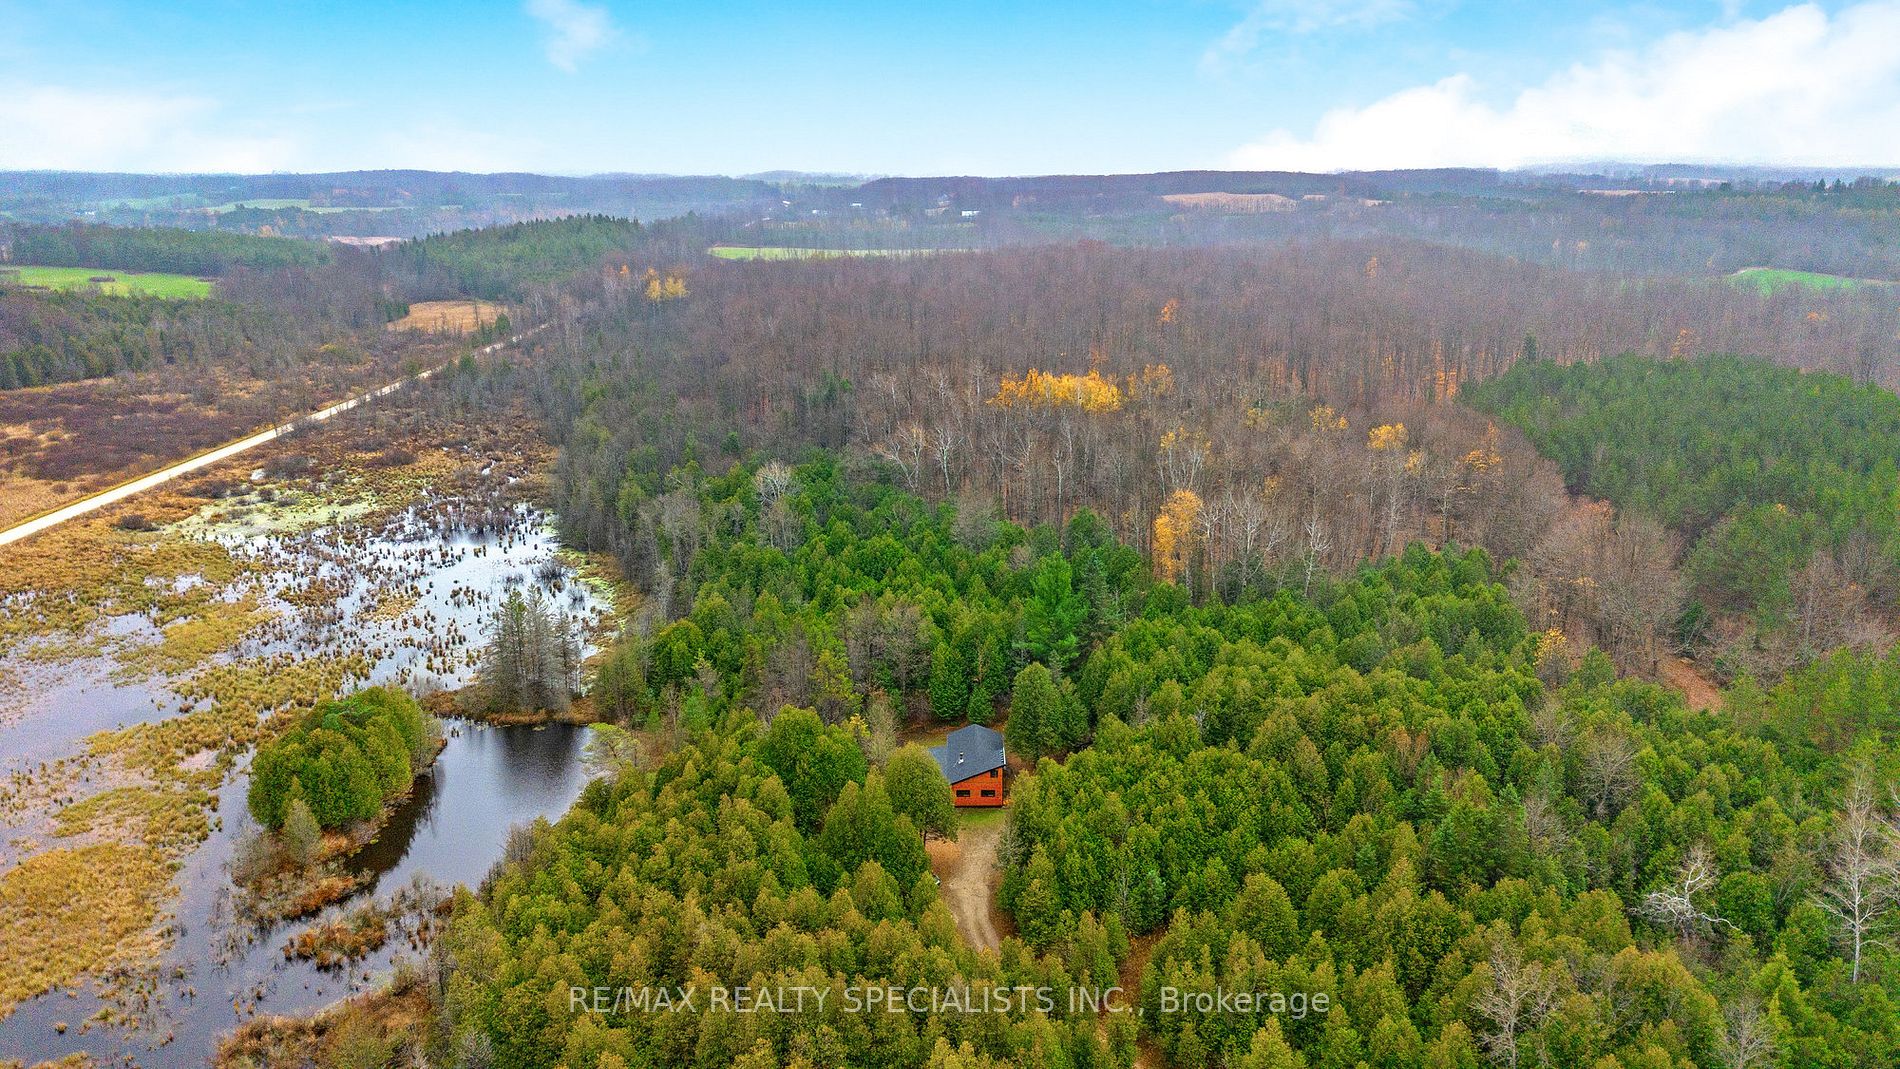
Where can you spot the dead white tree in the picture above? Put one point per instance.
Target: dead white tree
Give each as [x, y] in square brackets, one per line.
[1674, 905]
[774, 480]
[905, 448]
[946, 437]
[1861, 887]
[1319, 541]
[1520, 996]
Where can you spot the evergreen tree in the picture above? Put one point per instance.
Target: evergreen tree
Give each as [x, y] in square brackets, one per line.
[919, 791]
[531, 659]
[1054, 614]
[1034, 705]
[949, 682]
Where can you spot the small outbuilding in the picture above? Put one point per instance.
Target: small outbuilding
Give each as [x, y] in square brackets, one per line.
[973, 761]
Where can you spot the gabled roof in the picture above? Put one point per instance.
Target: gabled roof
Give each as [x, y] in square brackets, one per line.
[970, 751]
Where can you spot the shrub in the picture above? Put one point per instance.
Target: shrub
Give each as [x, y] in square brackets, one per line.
[301, 833]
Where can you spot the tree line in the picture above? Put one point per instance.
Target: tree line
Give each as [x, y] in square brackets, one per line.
[186, 252]
[1780, 484]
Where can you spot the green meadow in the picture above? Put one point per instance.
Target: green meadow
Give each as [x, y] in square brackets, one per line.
[1774, 279]
[123, 282]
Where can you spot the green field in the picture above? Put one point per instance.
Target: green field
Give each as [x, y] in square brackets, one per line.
[777, 252]
[1774, 279]
[124, 282]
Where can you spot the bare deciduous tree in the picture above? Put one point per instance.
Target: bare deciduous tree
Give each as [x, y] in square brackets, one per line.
[1609, 770]
[1861, 885]
[1748, 1039]
[1674, 905]
[1520, 996]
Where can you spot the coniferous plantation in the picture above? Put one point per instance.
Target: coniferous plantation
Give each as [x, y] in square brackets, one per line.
[1426, 596]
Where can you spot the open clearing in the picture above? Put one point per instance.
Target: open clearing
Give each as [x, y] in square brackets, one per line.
[1695, 688]
[1245, 203]
[969, 875]
[120, 283]
[1772, 279]
[448, 317]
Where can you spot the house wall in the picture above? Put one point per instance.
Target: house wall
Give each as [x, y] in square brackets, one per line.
[969, 792]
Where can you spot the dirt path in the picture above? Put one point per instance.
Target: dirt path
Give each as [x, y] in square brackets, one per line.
[968, 870]
[1696, 688]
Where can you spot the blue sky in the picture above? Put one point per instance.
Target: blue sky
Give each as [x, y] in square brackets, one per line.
[581, 86]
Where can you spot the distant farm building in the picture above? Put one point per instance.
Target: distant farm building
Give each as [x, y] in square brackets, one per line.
[972, 760]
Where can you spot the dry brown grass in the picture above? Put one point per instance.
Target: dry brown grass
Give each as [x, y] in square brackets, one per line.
[448, 317]
[23, 497]
[66, 912]
[79, 572]
[193, 640]
[379, 1028]
[78, 1059]
[165, 820]
[1232, 202]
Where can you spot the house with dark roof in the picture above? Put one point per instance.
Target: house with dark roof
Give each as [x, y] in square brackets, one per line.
[973, 761]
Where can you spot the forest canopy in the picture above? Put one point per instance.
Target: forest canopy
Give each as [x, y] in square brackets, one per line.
[1784, 485]
[1386, 789]
[502, 262]
[189, 252]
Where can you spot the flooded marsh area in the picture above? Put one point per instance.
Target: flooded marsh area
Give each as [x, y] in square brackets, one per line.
[142, 658]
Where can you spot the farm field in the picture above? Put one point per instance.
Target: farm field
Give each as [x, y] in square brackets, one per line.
[183, 287]
[1773, 279]
[448, 317]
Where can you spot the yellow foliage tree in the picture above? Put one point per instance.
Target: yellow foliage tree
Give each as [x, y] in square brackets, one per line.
[1386, 436]
[1486, 456]
[1326, 419]
[670, 288]
[1155, 380]
[1174, 534]
[1552, 647]
[1037, 389]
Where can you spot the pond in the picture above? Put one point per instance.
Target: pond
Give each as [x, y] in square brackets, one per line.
[487, 781]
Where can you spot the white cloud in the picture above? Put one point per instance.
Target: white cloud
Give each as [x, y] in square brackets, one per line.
[1298, 17]
[573, 30]
[51, 127]
[1796, 87]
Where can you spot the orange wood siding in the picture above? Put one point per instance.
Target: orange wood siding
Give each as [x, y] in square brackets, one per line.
[970, 792]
